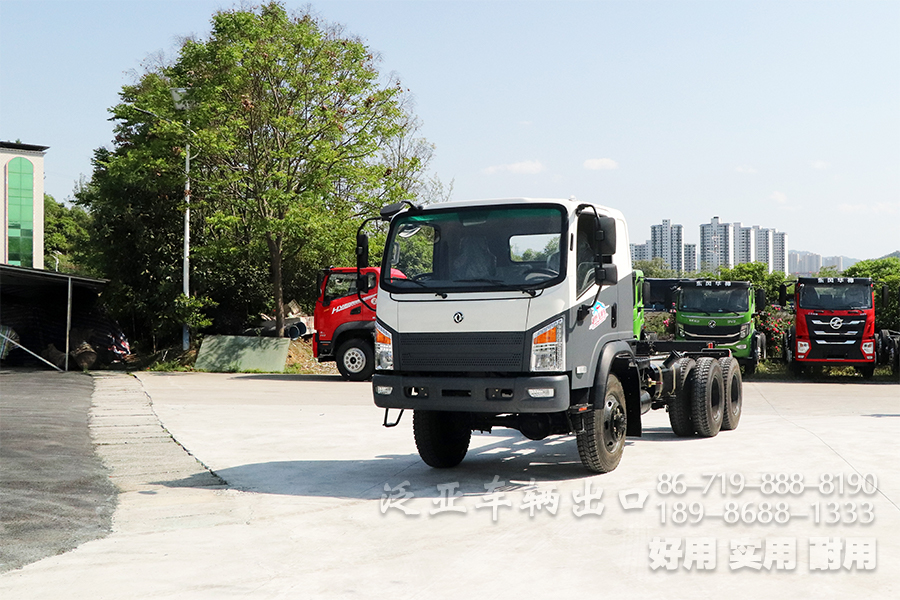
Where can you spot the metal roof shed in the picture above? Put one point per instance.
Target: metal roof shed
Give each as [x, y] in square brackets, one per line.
[33, 302]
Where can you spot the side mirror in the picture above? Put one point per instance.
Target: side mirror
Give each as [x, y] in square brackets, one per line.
[362, 250]
[607, 274]
[782, 295]
[606, 235]
[387, 212]
[760, 300]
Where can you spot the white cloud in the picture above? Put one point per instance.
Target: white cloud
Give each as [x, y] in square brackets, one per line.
[820, 165]
[779, 197]
[527, 167]
[600, 164]
[745, 169]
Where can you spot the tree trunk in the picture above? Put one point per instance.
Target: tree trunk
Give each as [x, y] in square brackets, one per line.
[275, 255]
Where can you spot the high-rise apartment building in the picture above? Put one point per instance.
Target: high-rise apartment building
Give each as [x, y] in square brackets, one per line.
[779, 251]
[716, 245]
[640, 251]
[667, 243]
[690, 258]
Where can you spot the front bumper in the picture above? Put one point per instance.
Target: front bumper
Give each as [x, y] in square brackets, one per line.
[495, 395]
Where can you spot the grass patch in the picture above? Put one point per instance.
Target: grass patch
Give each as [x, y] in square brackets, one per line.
[776, 370]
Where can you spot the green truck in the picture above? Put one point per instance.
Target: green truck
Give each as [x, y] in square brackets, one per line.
[722, 312]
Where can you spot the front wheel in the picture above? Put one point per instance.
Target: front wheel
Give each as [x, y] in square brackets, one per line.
[442, 438]
[356, 359]
[602, 439]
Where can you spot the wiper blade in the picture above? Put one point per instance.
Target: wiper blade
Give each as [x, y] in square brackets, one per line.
[531, 292]
[422, 285]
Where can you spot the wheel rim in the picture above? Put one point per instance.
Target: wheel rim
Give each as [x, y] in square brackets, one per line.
[354, 360]
[614, 424]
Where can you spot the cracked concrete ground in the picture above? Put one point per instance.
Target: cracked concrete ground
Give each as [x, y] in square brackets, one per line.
[322, 502]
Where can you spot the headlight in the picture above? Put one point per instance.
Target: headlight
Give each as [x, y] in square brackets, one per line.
[384, 349]
[680, 330]
[745, 330]
[868, 347]
[548, 348]
[802, 347]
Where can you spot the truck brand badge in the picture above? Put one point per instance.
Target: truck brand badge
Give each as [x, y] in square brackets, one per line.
[711, 324]
[836, 323]
[598, 315]
[458, 317]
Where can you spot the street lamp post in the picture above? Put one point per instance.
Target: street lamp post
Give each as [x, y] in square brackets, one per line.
[180, 104]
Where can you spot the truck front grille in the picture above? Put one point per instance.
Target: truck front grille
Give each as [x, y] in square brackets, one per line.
[449, 352]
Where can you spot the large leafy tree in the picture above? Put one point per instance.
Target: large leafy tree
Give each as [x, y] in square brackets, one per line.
[296, 129]
[294, 137]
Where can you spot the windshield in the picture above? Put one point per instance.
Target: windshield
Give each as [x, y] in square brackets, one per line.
[835, 297]
[714, 300]
[475, 249]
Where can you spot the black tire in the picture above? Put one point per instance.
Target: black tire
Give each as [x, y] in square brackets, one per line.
[731, 376]
[442, 438]
[602, 440]
[750, 368]
[708, 400]
[679, 407]
[356, 359]
[867, 371]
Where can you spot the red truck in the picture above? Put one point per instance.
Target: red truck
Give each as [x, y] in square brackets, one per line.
[834, 325]
[345, 325]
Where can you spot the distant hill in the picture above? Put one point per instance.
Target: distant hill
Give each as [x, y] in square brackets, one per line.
[894, 254]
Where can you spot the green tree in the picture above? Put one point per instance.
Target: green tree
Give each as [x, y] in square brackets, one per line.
[758, 274]
[299, 136]
[65, 237]
[655, 268]
[885, 272]
[293, 140]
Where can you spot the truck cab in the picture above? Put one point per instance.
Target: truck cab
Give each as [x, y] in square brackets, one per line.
[344, 322]
[722, 312]
[834, 324]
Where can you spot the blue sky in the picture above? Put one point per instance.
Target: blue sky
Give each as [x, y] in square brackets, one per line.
[779, 114]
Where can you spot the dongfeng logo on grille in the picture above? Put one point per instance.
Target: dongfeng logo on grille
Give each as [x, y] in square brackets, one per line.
[711, 324]
[836, 323]
[458, 317]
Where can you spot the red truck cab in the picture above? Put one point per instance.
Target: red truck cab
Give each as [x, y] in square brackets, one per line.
[834, 324]
[345, 325]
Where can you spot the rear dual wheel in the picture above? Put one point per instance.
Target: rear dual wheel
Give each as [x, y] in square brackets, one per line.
[731, 377]
[708, 399]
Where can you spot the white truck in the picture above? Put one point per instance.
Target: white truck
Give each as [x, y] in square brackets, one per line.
[518, 313]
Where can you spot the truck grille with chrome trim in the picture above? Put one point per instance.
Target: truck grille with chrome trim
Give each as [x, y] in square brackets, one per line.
[721, 333]
[448, 352]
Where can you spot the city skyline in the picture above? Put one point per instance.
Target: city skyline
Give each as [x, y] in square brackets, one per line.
[722, 244]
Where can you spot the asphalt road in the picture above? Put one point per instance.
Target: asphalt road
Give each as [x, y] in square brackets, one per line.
[55, 493]
[312, 498]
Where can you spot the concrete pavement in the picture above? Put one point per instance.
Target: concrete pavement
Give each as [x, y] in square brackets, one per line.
[322, 502]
